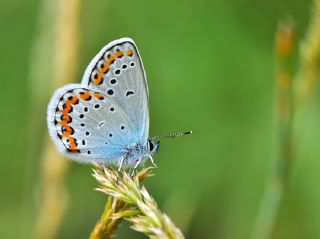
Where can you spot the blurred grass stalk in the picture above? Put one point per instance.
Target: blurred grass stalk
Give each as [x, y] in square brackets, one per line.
[277, 183]
[309, 59]
[131, 201]
[292, 98]
[64, 47]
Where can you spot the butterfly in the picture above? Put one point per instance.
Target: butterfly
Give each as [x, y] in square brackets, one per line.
[105, 119]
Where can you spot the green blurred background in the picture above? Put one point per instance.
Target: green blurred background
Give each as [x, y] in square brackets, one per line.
[210, 69]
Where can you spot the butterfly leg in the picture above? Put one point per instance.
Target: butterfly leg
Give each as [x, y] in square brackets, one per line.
[137, 163]
[120, 165]
[135, 166]
[151, 159]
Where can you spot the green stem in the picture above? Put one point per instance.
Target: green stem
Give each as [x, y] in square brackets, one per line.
[277, 183]
[107, 226]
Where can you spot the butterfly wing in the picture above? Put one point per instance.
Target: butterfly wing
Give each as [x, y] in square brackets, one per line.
[99, 119]
[118, 72]
[87, 125]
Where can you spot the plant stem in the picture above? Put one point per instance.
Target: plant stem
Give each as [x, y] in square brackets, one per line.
[309, 58]
[290, 119]
[140, 208]
[308, 69]
[53, 197]
[107, 226]
[277, 183]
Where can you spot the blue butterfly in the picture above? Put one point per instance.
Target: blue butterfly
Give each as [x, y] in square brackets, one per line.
[105, 119]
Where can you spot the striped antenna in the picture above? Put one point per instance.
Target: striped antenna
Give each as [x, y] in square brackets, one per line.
[173, 135]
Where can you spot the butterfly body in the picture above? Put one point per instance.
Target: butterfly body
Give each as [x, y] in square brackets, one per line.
[105, 119]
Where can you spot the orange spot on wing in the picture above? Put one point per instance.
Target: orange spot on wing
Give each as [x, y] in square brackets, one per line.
[111, 59]
[69, 130]
[119, 54]
[85, 95]
[73, 101]
[64, 123]
[105, 68]
[67, 109]
[67, 117]
[67, 133]
[98, 96]
[130, 52]
[73, 143]
[99, 79]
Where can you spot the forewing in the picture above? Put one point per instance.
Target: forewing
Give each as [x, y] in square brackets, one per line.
[87, 125]
[118, 72]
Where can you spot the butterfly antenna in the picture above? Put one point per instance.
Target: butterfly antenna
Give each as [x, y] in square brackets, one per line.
[174, 135]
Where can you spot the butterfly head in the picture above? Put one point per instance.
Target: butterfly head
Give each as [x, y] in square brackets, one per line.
[153, 146]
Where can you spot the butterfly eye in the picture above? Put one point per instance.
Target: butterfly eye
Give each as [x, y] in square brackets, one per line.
[151, 145]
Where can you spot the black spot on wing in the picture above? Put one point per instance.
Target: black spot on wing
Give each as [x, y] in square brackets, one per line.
[129, 92]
